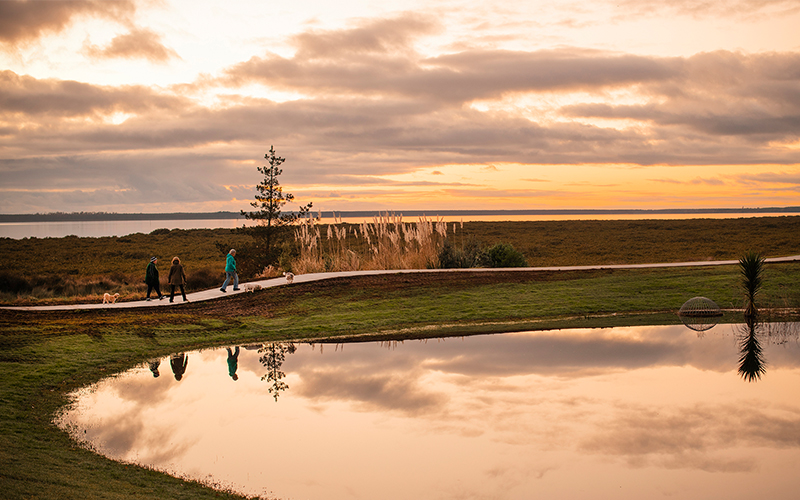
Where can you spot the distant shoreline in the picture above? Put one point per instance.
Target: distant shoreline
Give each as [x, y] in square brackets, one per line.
[112, 216]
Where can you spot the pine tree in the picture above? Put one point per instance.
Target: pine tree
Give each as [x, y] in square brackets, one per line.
[271, 223]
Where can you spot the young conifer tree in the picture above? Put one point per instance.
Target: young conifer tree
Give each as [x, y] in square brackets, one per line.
[271, 223]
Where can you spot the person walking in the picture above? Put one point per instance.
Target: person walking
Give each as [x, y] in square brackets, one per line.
[233, 362]
[151, 279]
[179, 362]
[230, 271]
[177, 277]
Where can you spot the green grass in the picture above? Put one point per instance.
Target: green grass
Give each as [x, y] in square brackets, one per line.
[43, 356]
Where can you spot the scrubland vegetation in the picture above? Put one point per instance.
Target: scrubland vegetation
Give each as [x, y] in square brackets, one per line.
[72, 269]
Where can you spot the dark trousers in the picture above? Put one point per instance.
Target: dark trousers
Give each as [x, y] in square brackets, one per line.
[172, 292]
[155, 287]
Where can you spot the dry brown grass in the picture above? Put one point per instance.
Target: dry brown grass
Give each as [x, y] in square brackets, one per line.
[385, 243]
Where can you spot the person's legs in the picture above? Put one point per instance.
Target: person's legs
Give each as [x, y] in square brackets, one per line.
[227, 280]
[171, 292]
[149, 288]
[157, 288]
[183, 292]
[235, 281]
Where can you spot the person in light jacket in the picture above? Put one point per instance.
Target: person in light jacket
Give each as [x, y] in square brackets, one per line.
[230, 271]
[177, 277]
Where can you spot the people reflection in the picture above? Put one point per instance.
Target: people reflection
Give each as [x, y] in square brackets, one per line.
[233, 362]
[274, 355]
[178, 363]
[154, 364]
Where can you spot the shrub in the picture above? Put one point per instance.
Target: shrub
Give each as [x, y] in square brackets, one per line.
[472, 255]
[12, 283]
[505, 255]
[203, 278]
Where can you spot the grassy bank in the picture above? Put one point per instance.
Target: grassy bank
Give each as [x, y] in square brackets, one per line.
[52, 270]
[45, 355]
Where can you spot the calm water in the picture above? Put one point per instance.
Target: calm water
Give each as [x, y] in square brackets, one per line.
[96, 229]
[623, 413]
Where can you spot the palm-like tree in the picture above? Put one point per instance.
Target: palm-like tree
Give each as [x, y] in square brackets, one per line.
[751, 266]
[751, 359]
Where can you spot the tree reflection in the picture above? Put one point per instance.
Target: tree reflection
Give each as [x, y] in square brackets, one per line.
[272, 356]
[751, 361]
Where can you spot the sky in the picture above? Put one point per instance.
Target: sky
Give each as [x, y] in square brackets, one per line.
[171, 105]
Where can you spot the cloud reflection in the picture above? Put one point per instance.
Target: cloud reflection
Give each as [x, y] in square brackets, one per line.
[491, 412]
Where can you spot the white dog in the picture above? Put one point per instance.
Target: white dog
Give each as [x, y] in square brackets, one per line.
[110, 299]
[289, 277]
[251, 288]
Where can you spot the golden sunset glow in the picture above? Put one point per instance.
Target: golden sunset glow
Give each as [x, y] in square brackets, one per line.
[161, 106]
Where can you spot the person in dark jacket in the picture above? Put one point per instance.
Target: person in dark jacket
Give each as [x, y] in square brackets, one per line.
[178, 362]
[177, 278]
[151, 279]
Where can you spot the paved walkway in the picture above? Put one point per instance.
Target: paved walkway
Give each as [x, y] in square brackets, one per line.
[215, 293]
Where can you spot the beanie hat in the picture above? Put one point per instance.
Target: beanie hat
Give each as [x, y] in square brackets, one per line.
[153, 259]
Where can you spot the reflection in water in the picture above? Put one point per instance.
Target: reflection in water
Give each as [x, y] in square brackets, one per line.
[622, 413]
[273, 356]
[233, 362]
[751, 360]
[178, 362]
[153, 364]
[700, 314]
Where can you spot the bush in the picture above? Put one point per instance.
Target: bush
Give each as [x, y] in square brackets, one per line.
[451, 257]
[11, 283]
[204, 278]
[505, 255]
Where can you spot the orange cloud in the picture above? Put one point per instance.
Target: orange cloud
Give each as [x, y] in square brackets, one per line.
[23, 21]
[137, 44]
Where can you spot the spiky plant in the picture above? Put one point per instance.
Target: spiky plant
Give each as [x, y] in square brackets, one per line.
[751, 267]
[751, 359]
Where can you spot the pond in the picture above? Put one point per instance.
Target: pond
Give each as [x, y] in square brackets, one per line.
[636, 412]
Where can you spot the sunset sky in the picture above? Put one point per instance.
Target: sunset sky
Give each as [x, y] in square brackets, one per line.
[170, 105]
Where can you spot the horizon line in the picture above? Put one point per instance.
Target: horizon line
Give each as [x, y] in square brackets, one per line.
[87, 216]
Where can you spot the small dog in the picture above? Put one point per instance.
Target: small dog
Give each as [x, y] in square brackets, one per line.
[110, 299]
[289, 277]
[251, 288]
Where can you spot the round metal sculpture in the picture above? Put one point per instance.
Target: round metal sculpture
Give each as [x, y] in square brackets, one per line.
[699, 313]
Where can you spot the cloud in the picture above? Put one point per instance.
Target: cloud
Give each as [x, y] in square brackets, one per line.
[25, 100]
[138, 43]
[23, 21]
[378, 390]
[368, 104]
[790, 178]
[747, 9]
[699, 437]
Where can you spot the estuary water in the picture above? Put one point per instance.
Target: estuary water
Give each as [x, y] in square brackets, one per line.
[101, 228]
[622, 413]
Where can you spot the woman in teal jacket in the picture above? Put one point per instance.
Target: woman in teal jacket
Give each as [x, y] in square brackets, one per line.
[230, 272]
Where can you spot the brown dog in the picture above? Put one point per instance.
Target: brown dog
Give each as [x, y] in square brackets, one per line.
[110, 299]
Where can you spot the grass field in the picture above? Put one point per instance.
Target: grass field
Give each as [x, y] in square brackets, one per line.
[55, 270]
[43, 356]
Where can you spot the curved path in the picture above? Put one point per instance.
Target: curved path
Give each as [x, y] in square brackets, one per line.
[215, 293]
